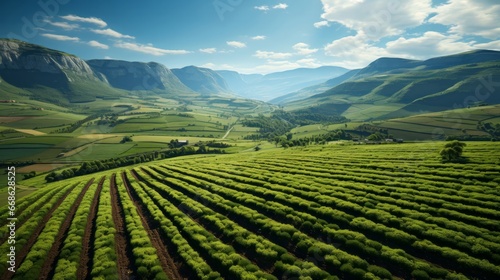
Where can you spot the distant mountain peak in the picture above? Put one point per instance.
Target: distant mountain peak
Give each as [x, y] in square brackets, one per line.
[137, 75]
[202, 80]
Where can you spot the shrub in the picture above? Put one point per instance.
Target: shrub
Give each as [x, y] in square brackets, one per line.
[420, 275]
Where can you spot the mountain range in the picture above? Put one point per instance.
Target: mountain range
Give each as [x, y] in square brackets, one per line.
[437, 84]
[273, 85]
[409, 86]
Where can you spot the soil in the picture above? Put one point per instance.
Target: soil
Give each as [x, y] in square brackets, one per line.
[123, 250]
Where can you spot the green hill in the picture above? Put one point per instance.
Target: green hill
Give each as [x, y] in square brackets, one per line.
[433, 85]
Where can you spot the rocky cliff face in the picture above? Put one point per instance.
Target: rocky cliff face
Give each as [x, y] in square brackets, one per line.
[18, 56]
[137, 75]
[50, 75]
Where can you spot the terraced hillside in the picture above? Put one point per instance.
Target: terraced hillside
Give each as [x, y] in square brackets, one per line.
[321, 212]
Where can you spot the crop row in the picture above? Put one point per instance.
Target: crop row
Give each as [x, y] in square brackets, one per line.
[305, 221]
[427, 186]
[372, 197]
[474, 246]
[441, 172]
[27, 207]
[220, 256]
[257, 248]
[282, 234]
[24, 207]
[69, 258]
[33, 264]
[197, 265]
[28, 232]
[383, 232]
[145, 258]
[104, 254]
[404, 195]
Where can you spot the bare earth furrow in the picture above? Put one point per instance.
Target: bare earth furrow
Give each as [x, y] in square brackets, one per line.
[123, 250]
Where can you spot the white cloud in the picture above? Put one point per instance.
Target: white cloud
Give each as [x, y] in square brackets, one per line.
[259, 38]
[214, 66]
[108, 57]
[208, 65]
[236, 44]
[271, 55]
[280, 6]
[479, 17]
[358, 51]
[265, 8]
[377, 18]
[262, 8]
[148, 49]
[63, 25]
[303, 49]
[208, 50]
[282, 65]
[98, 45]
[61, 37]
[430, 44]
[309, 63]
[493, 45]
[112, 33]
[97, 21]
[322, 23]
[354, 51]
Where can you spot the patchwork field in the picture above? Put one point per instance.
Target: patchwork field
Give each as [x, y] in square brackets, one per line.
[320, 212]
[429, 126]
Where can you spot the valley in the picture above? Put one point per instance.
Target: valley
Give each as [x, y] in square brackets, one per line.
[134, 170]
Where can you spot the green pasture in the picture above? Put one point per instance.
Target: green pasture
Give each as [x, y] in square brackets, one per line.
[24, 116]
[360, 112]
[7, 133]
[20, 152]
[99, 151]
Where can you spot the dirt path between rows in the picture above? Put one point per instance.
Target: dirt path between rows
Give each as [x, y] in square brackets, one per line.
[50, 263]
[152, 228]
[126, 268]
[87, 254]
[25, 250]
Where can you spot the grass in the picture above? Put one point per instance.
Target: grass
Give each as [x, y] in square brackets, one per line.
[360, 112]
[22, 152]
[27, 116]
[100, 151]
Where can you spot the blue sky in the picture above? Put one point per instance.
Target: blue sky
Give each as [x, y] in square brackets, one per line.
[254, 36]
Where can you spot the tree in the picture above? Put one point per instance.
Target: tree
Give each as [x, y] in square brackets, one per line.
[126, 139]
[452, 152]
[202, 149]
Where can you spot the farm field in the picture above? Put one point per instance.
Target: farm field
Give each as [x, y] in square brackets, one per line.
[345, 211]
[428, 126]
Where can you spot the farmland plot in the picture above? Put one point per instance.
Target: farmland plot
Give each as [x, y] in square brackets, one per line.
[334, 212]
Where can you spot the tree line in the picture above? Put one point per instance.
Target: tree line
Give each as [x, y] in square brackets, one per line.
[280, 122]
[106, 164]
